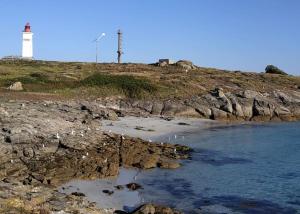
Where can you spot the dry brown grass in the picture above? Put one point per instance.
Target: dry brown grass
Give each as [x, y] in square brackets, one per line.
[64, 80]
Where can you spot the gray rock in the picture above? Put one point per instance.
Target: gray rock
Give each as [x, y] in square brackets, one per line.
[263, 107]
[280, 110]
[157, 108]
[218, 114]
[250, 94]
[185, 64]
[145, 105]
[204, 111]
[285, 98]
[163, 64]
[237, 108]
[247, 111]
[177, 109]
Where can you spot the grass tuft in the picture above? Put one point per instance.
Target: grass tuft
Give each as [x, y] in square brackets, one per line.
[129, 85]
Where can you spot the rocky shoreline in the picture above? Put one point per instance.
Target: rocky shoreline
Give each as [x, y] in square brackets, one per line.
[244, 105]
[45, 144]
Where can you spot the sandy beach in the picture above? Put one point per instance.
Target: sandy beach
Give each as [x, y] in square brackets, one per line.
[151, 128]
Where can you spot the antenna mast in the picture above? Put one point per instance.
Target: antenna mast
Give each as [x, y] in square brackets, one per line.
[120, 52]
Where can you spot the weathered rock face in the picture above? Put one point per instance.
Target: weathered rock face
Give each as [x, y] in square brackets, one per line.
[17, 86]
[217, 105]
[45, 144]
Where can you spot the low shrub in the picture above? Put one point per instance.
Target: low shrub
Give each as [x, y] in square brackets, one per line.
[131, 86]
[271, 69]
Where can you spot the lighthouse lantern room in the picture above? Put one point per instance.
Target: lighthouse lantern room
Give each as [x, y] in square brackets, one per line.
[27, 48]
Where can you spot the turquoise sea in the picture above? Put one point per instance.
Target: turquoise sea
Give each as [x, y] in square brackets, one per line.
[233, 169]
[250, 168]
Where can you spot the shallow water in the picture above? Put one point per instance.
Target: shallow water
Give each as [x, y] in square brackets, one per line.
[234, 169]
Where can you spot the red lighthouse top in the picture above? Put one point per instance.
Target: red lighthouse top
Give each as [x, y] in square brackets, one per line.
[27, 28]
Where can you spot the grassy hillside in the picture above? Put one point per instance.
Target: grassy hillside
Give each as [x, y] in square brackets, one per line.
[89, 80]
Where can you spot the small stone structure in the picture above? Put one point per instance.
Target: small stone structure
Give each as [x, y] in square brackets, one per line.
[165, 62]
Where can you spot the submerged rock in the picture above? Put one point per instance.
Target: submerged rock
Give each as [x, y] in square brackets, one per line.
[155, 209]
[133, 186]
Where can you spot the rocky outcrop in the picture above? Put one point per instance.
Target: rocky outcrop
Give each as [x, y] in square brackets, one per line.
[244, 105]
[185, 64]
[45, 144]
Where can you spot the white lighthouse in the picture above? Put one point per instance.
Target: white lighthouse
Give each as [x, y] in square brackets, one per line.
[27, 48]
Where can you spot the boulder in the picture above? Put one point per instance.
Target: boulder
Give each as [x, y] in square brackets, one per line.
[281, 111]
[133, 186]
[236, 107]
[157, 108]
[17, 86]
[177, 109]
[145, 105]
[247, 111]
[112, 115]
[219, 92]
[155, 209]
[218, 114]
[149, 161]
[168, 164]
[263, 107]
[285, 98]
[204, 111]
[249, 94]
[162, 64]
[185, 64]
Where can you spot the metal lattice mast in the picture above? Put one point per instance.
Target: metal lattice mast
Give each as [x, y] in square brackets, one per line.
[120, 52]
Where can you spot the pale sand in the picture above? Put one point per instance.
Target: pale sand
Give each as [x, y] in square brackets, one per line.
[153, 127]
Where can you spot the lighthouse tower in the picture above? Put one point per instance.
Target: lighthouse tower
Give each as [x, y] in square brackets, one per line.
[27, 49]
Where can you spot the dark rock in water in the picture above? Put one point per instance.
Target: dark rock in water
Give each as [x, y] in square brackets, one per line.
[183, 124]
[133, 186]
[166, 164]
[119, 187]
[108, 192]
[78, 194]
[155, 209]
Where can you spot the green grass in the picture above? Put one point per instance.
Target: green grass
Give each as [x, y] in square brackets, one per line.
[129, 85]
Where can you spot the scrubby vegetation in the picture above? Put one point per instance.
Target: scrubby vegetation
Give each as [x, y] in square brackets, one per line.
[90, 80]
[271, 69]
[131, 86]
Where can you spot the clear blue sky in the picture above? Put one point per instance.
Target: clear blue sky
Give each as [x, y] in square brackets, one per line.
[230, 34]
